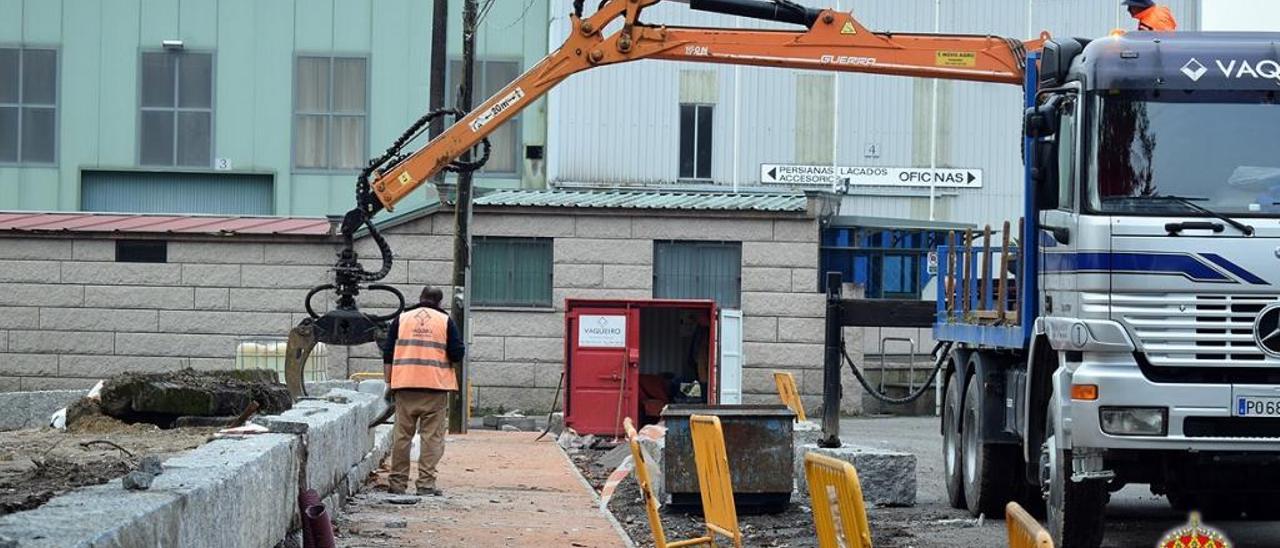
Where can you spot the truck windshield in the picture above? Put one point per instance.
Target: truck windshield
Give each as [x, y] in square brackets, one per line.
[1216, 146]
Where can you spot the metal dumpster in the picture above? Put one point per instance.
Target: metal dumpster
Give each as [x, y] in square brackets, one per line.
[758, 442]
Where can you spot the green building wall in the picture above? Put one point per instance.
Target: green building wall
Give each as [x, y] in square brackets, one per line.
[254, 43]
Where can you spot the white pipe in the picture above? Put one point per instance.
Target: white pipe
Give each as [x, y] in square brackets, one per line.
[835, 126]
[933, 117]
[737, 120]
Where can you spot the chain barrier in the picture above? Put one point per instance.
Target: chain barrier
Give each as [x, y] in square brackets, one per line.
[940, 351]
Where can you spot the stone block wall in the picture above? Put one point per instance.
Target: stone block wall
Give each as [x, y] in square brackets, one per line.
[70, 314]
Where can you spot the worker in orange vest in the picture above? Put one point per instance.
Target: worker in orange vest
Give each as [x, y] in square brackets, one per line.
[1151, 16]
[418, 355]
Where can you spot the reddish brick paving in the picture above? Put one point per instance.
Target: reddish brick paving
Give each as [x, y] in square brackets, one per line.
[500, 489]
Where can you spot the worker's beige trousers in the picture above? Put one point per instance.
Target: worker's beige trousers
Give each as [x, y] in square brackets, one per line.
[424, 412]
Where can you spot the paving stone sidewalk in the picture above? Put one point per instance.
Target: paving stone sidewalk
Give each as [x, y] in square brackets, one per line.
[500, 489]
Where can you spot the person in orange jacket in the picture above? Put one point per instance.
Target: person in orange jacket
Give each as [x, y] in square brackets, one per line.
[1151, 16]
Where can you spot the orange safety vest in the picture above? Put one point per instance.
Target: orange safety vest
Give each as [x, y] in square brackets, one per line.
[420, 360]
[1157, 18]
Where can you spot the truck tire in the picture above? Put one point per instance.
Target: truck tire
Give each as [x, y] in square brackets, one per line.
[988, 468]
[1075, 511]
[952, 465]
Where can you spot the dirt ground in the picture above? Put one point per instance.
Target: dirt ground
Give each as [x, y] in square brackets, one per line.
[39, 464]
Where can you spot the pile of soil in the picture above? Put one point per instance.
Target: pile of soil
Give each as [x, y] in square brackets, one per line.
[39, 464]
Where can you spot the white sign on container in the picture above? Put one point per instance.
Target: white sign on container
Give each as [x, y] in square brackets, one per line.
[602, 331]
[841, 178]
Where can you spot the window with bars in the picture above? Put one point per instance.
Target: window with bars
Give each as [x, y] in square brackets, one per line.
[695, 141]
[511, 272]
[176, 122]
[698, 270]
[331, 110]
[490, 77]
[28, 105]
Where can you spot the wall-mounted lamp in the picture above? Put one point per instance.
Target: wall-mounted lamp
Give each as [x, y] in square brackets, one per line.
[172, 45]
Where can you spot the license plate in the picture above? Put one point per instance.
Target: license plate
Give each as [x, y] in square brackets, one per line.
[1257, 406]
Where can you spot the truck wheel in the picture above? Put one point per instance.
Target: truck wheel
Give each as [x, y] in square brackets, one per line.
[952, 464]
[1075, 511]
[987, 467]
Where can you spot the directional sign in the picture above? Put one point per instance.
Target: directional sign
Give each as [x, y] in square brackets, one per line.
[842, 177]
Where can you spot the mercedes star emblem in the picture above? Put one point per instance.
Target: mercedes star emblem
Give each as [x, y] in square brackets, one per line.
[1266, 330]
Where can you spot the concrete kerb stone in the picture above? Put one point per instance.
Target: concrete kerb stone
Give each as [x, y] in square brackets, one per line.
[32, 409]
[888, 478]
[250, 483]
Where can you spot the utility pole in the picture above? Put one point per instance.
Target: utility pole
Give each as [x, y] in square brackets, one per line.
[439, 65]
[459, 405]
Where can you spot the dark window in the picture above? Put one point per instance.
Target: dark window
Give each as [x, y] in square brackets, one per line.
[28, 105]
[176, 122]
[331, 108]
[511, 272]
[142, 251]
[698, 270]
[491, 77]
[695, 141]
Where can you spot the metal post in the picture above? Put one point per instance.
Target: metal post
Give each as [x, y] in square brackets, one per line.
[462, 223]
[831, 364]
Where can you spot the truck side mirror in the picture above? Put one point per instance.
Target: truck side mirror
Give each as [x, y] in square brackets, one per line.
[1041, 124]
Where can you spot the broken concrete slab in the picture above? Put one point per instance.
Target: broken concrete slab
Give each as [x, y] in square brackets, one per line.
[137, 480]
[888, 478]
[160, 398]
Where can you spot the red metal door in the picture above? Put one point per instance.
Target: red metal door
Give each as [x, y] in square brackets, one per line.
[604, 358]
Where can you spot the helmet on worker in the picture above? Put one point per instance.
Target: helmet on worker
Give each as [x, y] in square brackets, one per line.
[1151, 16]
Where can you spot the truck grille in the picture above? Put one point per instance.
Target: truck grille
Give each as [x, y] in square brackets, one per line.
[1188, 330]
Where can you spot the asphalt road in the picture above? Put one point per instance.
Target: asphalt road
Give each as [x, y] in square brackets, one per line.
[1135, 517]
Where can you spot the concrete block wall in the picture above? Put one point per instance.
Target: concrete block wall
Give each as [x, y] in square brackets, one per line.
[518, 353]
[70, 314]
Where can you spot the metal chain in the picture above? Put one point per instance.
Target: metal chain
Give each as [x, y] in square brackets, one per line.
[941, 350]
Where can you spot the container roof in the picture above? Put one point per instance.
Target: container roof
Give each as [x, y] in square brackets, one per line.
[68, 222]
[648, 199]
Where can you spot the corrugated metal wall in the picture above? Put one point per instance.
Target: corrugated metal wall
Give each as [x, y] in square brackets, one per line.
[619, 125]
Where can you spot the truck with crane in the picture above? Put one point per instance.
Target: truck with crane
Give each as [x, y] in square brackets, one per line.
[1131, 334]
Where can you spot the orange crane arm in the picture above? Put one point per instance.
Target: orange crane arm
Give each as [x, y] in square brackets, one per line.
[834, 42]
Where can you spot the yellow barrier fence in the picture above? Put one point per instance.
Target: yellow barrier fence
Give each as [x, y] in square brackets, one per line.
[786, 384]
[828, 477]
[1024, 530]
[713, 478]
[646, 492]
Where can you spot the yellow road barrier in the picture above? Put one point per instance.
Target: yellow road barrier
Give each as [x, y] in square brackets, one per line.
[786, 384]
[646, 492]
[713, 478]
[828, 476]
[1024, 530]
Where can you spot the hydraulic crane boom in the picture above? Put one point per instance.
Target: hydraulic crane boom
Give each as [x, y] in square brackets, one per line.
[614, 34]
[833, 41]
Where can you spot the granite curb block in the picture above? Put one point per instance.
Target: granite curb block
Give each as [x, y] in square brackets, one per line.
[228, 492]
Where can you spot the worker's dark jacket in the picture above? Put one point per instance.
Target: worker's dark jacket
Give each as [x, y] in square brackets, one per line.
[454, 348]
